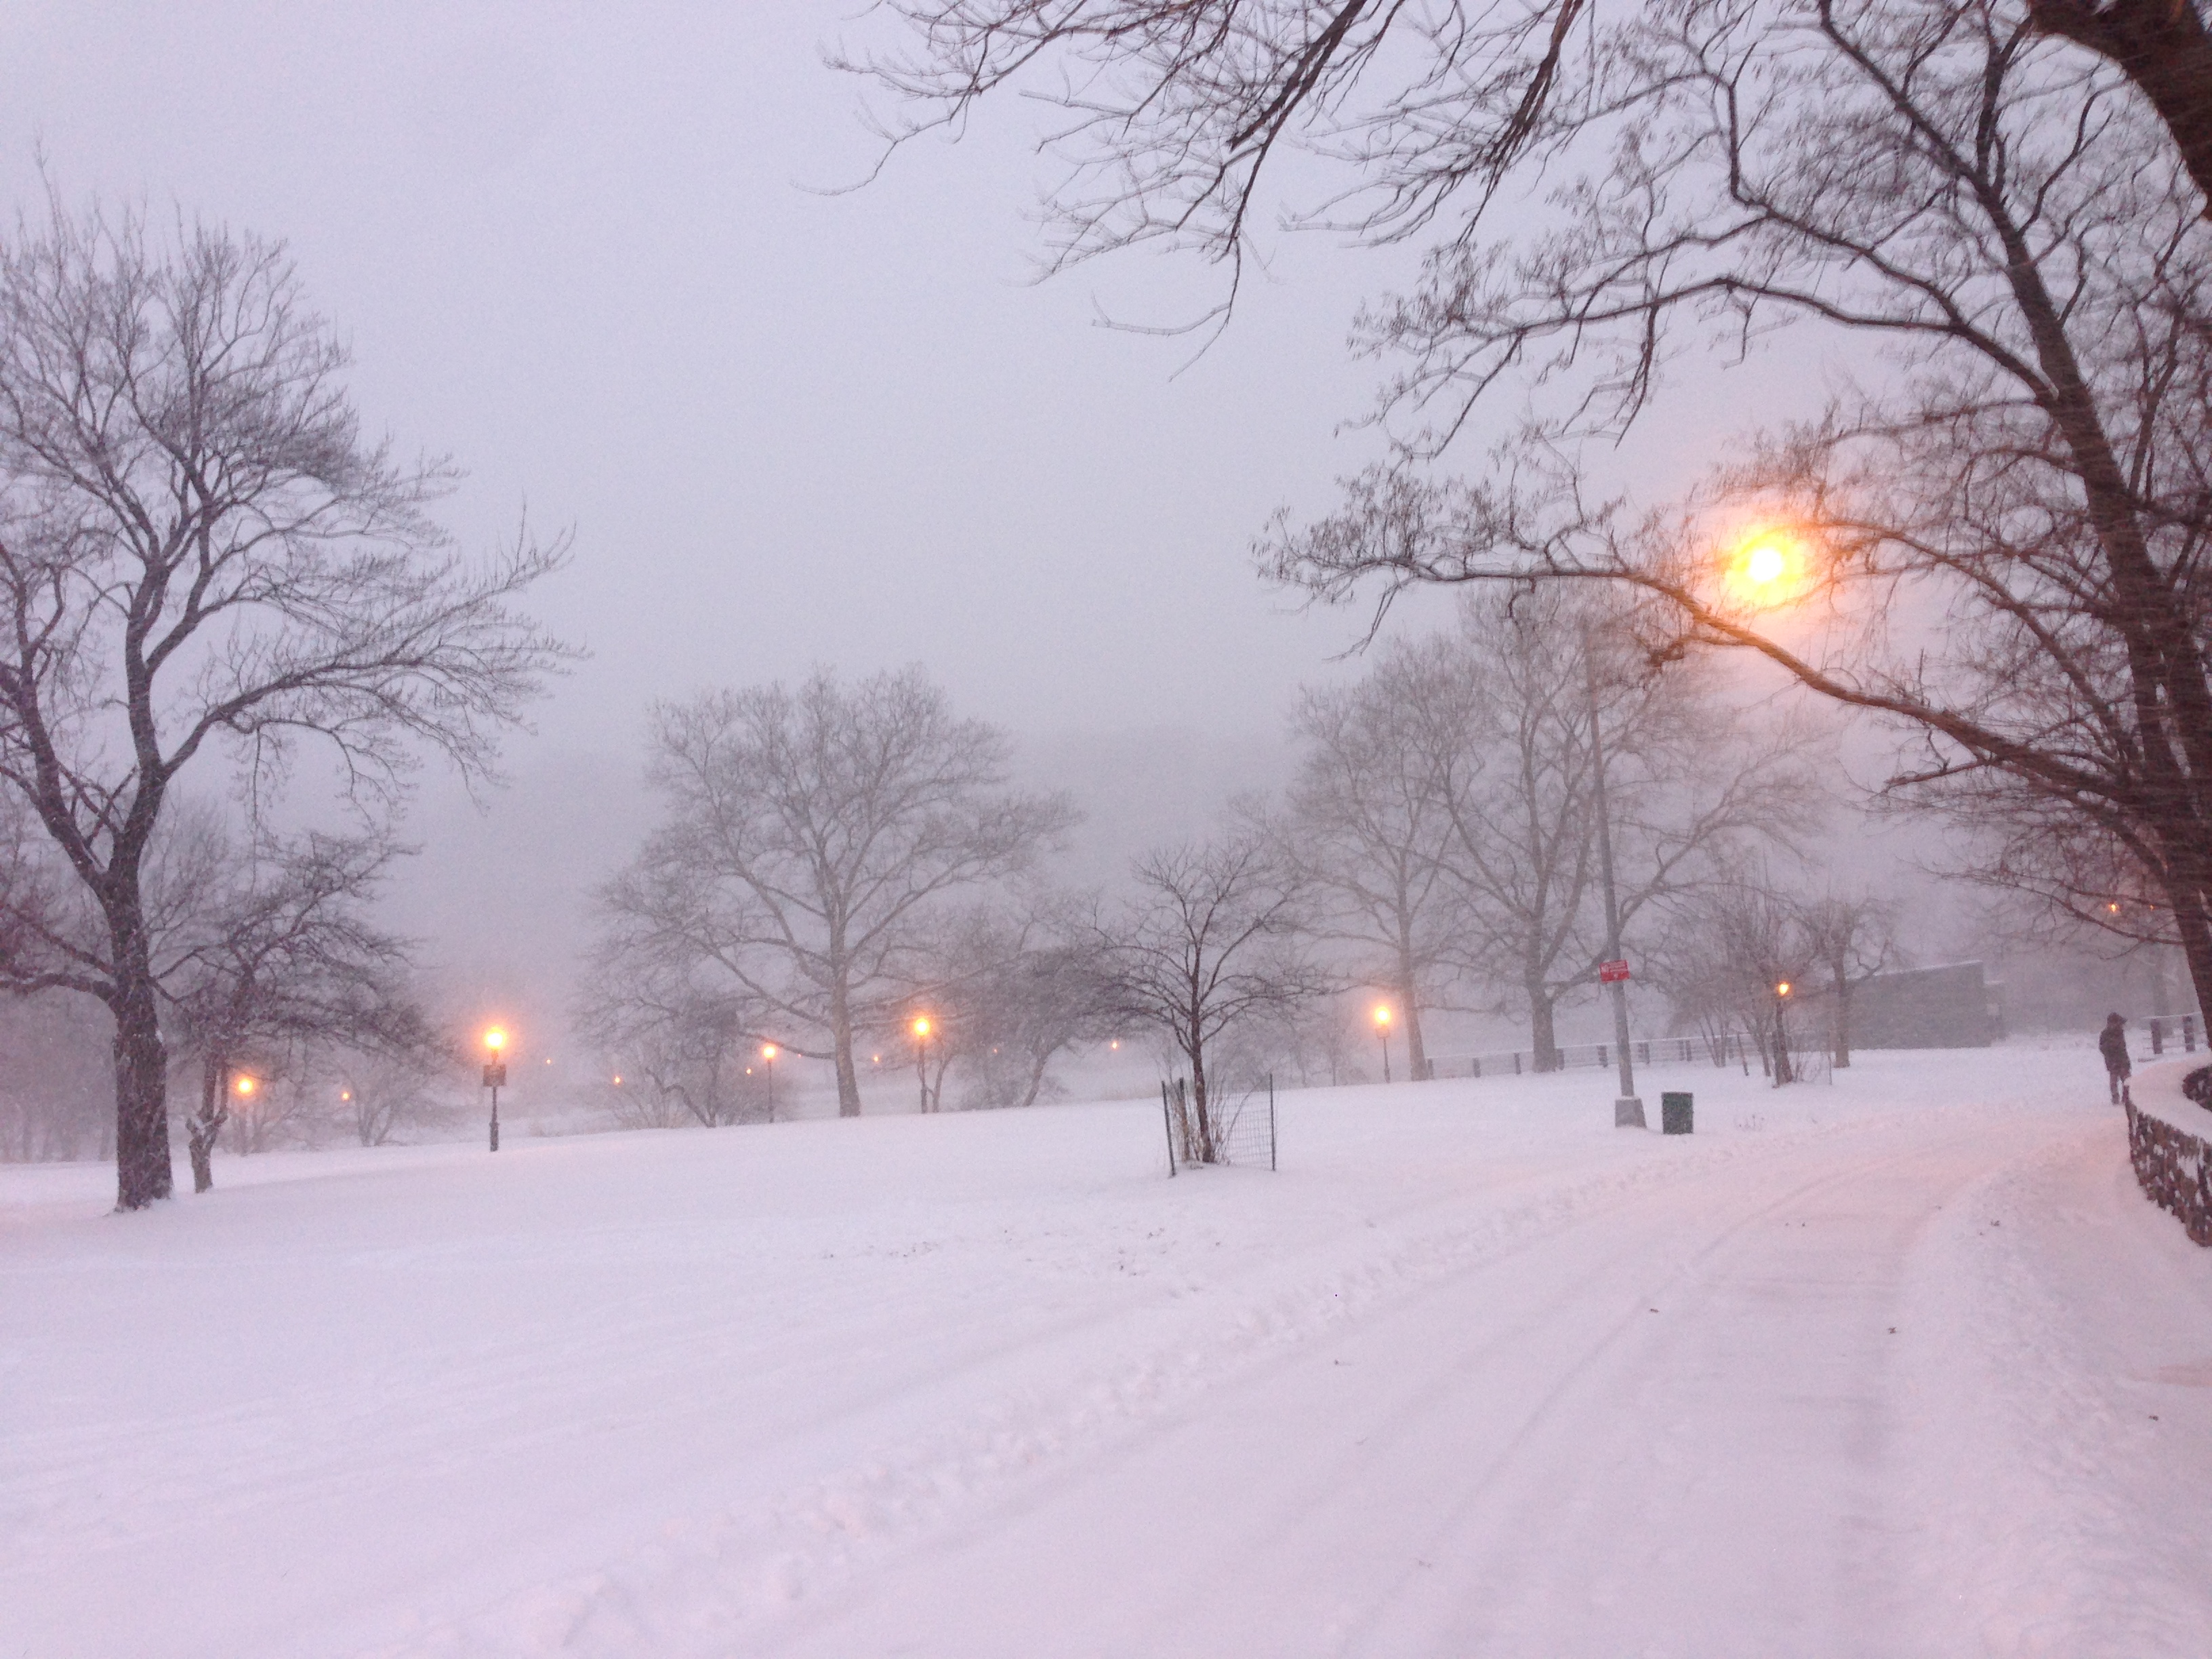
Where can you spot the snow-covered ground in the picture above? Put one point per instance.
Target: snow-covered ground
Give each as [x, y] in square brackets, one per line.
[1899, 1366]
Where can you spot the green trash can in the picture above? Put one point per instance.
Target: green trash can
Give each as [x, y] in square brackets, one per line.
[1674, 1114]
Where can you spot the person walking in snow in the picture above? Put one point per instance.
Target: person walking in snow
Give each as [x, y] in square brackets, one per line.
[2113, 1043]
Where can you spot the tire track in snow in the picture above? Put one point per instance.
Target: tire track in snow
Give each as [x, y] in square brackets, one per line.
[708, 1579]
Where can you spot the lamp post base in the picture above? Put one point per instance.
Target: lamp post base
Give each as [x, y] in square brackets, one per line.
[1628, 1113]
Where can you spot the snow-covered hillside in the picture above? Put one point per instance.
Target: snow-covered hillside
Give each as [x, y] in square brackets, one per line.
[1898, 1366]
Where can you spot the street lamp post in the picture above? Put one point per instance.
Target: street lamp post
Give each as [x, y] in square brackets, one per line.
[768, 1058]
[922, 1029]
[1627, 1109]
[1382, 1031]
[495, 1076]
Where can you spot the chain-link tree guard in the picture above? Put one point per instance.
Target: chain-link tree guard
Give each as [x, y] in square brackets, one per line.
[1238, 1129]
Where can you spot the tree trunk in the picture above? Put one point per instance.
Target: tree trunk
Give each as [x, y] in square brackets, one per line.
[1543, 1036]
[841, 1046]
[204, 1125]
[1202, 1109]
[143, 1172]
[2194, 927]
[2162, 47]
[1037, 1081]
[1417, 1053]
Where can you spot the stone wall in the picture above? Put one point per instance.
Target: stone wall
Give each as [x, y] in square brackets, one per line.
[2175, 1170]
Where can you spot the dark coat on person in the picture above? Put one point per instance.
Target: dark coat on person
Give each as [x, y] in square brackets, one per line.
[2113, 1043]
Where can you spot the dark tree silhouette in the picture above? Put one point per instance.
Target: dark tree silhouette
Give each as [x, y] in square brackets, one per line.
[202, 560]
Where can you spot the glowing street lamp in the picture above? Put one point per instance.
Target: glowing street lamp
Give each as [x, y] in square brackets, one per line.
[768, 1058]
[495, 1075]
[1382, 1032]
[1768, 567]
[921, 1029]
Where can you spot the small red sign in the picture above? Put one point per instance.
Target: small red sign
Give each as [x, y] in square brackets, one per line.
[1609, 972]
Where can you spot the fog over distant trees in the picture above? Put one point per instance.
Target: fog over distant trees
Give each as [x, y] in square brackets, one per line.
[809, 836]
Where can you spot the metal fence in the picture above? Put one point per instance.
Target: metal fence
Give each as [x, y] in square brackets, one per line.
[1731, 1051]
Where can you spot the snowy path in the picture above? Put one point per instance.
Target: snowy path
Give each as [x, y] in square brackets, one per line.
[1857, 1371]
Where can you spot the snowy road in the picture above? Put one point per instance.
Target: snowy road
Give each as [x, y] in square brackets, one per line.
[1893, 1368]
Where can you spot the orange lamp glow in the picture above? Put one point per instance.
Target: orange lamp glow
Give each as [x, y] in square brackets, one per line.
[244, 1086]
[1768, 567]
[1381, 1015]
[768, 1051]
[1782, 989]
[495, 1039]
[921, 1027]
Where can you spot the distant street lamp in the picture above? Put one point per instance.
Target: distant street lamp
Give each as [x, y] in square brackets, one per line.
[922, 1030]
[495, 1076]
[768, 1058]
[1382, 1031]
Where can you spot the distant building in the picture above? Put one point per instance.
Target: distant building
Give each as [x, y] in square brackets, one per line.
[1947, 1007]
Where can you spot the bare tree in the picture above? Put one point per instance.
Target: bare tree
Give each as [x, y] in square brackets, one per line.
[1369, 822]
[2002, 554]
[809, 836]
[1742, 952]
[394, 1086]
[1175, 109]
[1849, 938]
[1513, 753]
[677, 1041]
[273, 956]
[1211, 939]
[1010, 987]
[202, 560]
[2021, 220]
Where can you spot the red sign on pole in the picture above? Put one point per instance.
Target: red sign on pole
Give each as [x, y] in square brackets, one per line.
[1609, 972]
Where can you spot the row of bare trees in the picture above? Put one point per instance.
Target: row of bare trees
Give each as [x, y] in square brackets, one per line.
[843, 870]
[1989, 213]
[1747, 955]
[1448, 814]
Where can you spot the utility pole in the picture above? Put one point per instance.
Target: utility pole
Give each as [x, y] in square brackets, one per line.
[1627, 1109]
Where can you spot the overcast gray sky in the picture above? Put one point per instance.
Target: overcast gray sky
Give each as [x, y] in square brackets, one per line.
[585, 250]
[574, 246]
